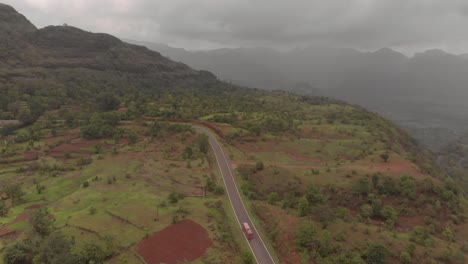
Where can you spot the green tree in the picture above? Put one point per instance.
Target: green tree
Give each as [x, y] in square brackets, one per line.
[14, 191]
[247, 257]
[18, 253]
[132, 138]
[303, 207]
[54, 249]
[366, 210]
[376, 206]
[305, 236]
[40, 222]
[90, 253]
[273, 198]
[188, 153]
[385, 157]
[405, 257]
[173, 198]
[389, 214]
[376, 254]
[361, 187]
[203, 144]
[3, 208]
[107, 102]
[259, 166]
[314, 196]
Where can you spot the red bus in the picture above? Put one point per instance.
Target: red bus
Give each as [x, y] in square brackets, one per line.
[248, 232]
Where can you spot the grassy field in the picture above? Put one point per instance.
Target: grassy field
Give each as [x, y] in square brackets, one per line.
[119, 196]
[335, 157]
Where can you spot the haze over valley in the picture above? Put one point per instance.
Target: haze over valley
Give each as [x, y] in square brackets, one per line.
[425, 93]
[114, 151]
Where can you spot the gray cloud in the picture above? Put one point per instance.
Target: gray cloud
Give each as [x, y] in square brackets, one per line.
[365, 24]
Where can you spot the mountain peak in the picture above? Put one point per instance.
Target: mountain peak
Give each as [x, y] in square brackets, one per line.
[388, 51]
[62, 38]
[13, 22]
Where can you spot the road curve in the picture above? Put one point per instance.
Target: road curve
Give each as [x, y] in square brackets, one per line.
[259, 250]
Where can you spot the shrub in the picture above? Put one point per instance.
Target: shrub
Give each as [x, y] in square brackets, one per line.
[92, 210]
[259, 166]
[376, 254]
[405, 257]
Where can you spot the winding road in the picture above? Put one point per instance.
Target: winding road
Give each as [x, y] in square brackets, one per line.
[258, 247]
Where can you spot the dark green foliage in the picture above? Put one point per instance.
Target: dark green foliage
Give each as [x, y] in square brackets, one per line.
[303, 206]
[14, 191]
[54, 249]
[273, 198]
[376, 254]
[314, 196]
[132, 138]
[173, 198]
[407, 187]
[18, 253]
[90, 253]
[154, 129]
[305, 236]
[107, 102]
[361, 187]
[389, 214]
[389, 186]
[40, 222]
[85, 184]
[259, 166]
[94, 131]
[385, 157]
[188, 153]
[203, 144]
[376, 206]
[422, 236]
[247, 258]
[3, 208]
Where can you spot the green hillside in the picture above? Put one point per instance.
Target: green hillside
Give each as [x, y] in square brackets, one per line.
[103, 157]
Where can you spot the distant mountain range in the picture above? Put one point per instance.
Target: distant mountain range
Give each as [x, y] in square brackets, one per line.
[425, 93]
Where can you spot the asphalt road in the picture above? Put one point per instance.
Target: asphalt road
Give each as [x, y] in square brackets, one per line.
[259, 249]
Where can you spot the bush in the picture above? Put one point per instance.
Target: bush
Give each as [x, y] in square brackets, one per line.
[376, 254]
[18, 253]
[92, 210]
[405, 257]
[421, 236]
[173, 198]
[273, 198]
[247, 257]
[259, 166]
[361, 187]
[366, 210]
[305, 236]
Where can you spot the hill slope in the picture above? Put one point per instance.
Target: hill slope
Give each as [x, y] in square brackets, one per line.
[425, 93]
[105, 142]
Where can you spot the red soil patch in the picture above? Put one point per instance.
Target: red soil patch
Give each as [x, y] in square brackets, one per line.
[4, 231]
[395, 168]
[299, 157]
[181, 242]
[32, 155]
[35, 206]
[407, 223]
[75, 147]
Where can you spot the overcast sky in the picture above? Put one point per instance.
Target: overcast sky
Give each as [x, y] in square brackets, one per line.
[406, 25]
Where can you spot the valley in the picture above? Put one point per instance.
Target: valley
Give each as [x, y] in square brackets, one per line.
[113, 153]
